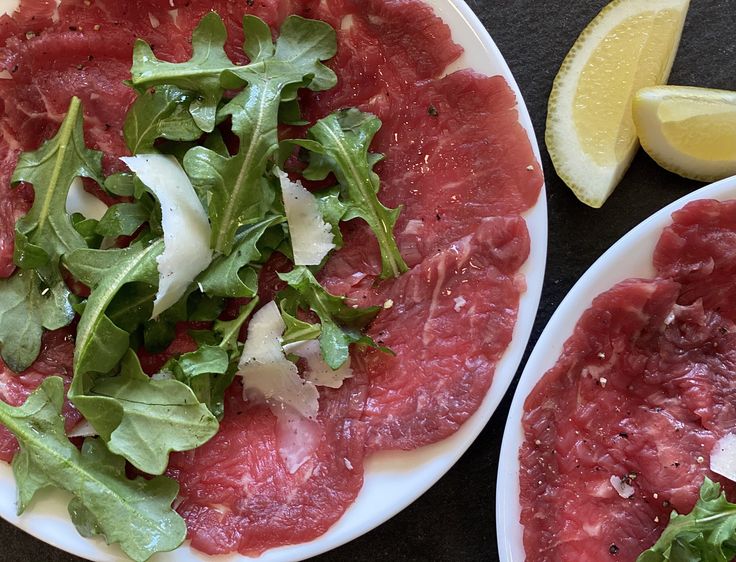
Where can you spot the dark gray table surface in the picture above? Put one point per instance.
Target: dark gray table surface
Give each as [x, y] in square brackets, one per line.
[455, 519]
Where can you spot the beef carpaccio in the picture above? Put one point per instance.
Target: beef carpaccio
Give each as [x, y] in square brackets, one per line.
[619, 433]
[456, 158]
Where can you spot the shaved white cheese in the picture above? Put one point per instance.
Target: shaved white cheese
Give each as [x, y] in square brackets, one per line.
[311, 236]
[263, 344]
[154, 20]
[460, 302]
[723, 457]
[266, 371]
[624, 490]
[78, 200]
[186, 228]
[9, 6]
[83, 429]
[319, 372]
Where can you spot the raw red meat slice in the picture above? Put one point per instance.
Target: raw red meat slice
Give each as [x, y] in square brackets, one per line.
[699, 251]
[454, 174]
[384, 48]
[238, 493]
[439, 167]
[55, 360]
[13, 203]
[449, 321]
[642, 392]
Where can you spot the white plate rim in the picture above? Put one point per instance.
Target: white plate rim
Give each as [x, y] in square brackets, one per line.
[47, 520]
[630, 256]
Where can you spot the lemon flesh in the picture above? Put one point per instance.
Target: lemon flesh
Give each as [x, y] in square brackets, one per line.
[689, 131]
[591, 135]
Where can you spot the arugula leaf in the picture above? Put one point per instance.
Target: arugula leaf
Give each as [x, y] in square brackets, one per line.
[131, 306]
[123, 219]
[203, 308]
[143, 419]
[159, 113]
[24, 312]
[200, 74]
[124, 184]
[134, 513]
[210, 369]
[46, 232]
[333, 212]
[707, 533]
[33, 300]
[301, 45]
[296, 330]
[341, 324]
[225, 276]
[345, 137]
[100, 343]
[88, 229]
[239, 193]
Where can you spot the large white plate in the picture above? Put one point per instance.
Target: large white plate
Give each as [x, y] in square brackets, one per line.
[631, 256]
[403, 477]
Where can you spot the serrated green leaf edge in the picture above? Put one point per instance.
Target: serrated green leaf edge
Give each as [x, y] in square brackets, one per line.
[94, 476]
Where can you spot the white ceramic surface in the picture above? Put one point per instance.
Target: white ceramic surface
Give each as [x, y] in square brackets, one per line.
[631, 256]
[403, 477]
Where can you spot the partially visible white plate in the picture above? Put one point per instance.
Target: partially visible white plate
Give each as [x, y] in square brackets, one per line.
[402, 477]
[631, 256]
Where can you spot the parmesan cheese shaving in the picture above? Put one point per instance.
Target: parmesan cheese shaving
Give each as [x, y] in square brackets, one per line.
[78, 200]
[311, 236]
[723, 457]
[186, 228]
[319, 372]
[623, 489]
[266, 371]
[9, 6]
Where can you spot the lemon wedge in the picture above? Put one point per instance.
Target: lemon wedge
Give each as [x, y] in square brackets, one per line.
[688, 131]
[591, 135]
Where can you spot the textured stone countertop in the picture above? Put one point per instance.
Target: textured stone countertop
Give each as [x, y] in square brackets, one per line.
[455, 521]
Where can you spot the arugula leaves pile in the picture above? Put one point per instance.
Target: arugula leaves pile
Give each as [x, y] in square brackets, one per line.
[229, 148]
[37, 297]
[707, 533]
[238, 193]
[134, 513]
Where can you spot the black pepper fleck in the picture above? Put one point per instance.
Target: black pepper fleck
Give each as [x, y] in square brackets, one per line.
[432, 110]
[613, 549]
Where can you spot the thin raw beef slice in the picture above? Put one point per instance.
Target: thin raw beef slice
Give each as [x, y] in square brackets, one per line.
[619, 433]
